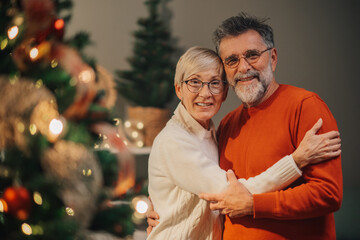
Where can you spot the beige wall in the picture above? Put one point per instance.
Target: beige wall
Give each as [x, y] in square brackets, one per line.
[318, 48]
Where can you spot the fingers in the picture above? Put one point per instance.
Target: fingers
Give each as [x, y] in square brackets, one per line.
[230, 175]
[316, 126]
[152, 214]
[209, 196]
[148, 230]
[152, 222]
[330, 135]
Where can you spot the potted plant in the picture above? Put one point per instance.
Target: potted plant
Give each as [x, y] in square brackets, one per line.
[148, 85]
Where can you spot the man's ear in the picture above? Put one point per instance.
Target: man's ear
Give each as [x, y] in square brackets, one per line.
[274, 59]
[178, 91]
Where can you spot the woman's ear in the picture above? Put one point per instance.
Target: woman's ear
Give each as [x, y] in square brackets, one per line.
[178, 91]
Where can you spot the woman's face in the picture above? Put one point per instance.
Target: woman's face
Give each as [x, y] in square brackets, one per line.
[202, 105]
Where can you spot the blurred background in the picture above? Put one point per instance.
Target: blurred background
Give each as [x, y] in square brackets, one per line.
[318, 49]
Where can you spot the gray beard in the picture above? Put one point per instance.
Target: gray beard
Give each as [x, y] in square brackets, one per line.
[252, 94]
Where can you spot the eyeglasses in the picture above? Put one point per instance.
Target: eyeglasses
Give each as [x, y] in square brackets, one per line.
[215, 86]
[251, 57]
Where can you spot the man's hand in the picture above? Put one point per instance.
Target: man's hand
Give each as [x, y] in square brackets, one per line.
[235, 200]
[317, 148]
[152, 218]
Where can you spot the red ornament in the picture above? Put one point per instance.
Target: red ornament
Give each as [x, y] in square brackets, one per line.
[18, 200]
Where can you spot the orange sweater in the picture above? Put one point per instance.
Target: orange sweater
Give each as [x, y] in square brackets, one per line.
[251, 140]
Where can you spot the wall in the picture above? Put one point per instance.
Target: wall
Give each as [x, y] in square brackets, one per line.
[318, 49]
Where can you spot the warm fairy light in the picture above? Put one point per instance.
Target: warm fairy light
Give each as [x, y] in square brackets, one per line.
[32, 129]
[70, 211]
[87, 173]
[34, 53]
[54, 63]
[37, 198]
[3, 206]
[134, 134]
[127, 124]
[59, 24]
[56, 126]
[39, 83]
[140, 125]
[3, 44]
[117, 121]
[26, 228]
[86, 76]
[139, 144]
[13, 32]
[141, 207]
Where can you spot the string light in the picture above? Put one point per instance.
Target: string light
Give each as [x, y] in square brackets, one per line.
[56, 126]
[59, 24]
[86, 76]
[70, 211]
[34, 53]
[3, 206]
[32, 129]
[37, 198]
[13, 32]
[3, 44]
[26, 228]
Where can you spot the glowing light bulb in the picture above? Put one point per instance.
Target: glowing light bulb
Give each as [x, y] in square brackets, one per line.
[139, 144]
[70, 211]
[13, 32]
[3, 44]
[86, 76]
[32, 129]
[34, 53]
[59, 24]
[56, 126]
[3, 206]
[140, 125]
[141, 207]
[26, 228]
[127, 124]
[134, 134]
[37, 198]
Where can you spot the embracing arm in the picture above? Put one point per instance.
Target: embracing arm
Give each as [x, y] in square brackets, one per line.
[321, 191]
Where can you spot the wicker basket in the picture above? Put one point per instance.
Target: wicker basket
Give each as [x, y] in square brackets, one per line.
[154, 120]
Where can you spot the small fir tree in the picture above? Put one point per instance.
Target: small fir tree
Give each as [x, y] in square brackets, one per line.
[149, 83]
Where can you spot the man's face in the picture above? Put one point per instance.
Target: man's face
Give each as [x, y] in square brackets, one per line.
[250, 81]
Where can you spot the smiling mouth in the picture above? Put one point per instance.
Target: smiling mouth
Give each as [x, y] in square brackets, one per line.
[248, 79]
[203, 104]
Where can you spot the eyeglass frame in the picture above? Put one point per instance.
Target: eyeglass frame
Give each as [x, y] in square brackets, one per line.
[245, 58]
[207, 83]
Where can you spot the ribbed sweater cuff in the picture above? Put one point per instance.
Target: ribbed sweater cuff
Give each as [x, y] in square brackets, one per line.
[287, 169]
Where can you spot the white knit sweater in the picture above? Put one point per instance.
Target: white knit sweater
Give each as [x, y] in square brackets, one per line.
[184, 163]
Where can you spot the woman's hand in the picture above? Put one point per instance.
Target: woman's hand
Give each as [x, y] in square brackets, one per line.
[152, 218]
[317, 148]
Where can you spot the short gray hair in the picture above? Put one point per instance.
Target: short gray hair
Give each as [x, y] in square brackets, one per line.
[241, 23]
[197, 59]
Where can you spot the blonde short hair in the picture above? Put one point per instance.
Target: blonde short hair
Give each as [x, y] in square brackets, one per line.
[197, 59]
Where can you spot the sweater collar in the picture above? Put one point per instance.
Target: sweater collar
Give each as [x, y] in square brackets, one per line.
[183, 117]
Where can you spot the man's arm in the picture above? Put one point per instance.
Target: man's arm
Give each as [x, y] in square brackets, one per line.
[321, 193]
[321, 190]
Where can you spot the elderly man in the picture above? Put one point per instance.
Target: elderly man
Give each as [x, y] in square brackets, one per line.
[271, 122]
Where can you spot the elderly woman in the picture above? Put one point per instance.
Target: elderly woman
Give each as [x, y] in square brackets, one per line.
[184, 158]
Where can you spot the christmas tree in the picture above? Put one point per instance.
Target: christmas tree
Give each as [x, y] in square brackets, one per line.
[149, 83]
[65, 172]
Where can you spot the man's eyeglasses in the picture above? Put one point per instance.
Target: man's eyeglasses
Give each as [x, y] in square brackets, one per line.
[195, 85]
[251, 57]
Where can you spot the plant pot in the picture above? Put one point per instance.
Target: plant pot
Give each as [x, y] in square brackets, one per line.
[154, 120]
